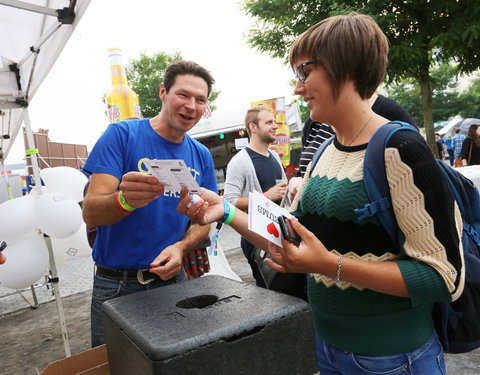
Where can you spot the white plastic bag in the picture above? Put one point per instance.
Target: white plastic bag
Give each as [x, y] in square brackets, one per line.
[218, 262]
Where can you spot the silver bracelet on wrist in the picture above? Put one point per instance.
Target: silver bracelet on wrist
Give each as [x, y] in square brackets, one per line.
[339, 270]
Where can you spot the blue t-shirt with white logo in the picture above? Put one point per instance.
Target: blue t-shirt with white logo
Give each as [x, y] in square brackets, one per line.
[136, 240]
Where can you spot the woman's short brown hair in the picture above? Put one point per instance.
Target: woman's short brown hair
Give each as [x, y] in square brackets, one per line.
[348, 47]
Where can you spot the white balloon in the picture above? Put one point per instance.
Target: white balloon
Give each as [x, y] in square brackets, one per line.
[16, 218]
[65, 180]
[75, 245]
[27, 261]
[57, 215]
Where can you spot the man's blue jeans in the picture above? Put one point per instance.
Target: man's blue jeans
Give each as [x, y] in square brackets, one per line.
[105, 289]
[427, 360]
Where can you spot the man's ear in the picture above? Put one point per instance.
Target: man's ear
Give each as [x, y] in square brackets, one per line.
[251, 126]
[163, 92]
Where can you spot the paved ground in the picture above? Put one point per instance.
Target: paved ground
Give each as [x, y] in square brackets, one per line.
[31, 338]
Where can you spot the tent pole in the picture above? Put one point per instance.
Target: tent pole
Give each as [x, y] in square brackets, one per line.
[31, 146]
[53, 268]
[7, 181]
[58, 298]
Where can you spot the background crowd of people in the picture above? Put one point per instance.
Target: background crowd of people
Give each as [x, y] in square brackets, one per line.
[460, 150]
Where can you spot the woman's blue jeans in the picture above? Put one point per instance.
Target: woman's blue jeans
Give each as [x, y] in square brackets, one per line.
[105, 289]
[427, 360]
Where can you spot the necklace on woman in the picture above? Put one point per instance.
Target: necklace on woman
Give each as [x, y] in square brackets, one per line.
[361, 130]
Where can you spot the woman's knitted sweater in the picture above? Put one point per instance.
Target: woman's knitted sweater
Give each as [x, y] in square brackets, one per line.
[360, 320]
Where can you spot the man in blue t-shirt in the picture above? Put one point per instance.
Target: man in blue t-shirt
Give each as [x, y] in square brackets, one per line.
[141, 239]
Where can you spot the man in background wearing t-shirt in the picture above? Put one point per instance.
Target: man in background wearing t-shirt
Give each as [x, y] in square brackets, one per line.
[255, 168]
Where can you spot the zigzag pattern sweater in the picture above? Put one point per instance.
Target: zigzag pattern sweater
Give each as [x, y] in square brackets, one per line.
[360, 320]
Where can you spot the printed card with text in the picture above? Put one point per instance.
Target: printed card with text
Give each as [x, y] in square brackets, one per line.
[262, 217]
[174, 174]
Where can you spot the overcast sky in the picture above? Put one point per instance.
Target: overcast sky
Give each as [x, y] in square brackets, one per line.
[210, 32]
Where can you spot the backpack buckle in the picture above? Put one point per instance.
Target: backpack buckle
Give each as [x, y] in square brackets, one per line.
[472, 233]
[371, 209]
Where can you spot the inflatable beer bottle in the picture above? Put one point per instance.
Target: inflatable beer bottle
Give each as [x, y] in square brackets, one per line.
[282, 143]
[121, 100]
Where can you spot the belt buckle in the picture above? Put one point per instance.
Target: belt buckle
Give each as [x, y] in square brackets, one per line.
[141, 278]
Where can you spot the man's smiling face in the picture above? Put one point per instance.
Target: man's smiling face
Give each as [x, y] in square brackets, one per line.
[185, 103]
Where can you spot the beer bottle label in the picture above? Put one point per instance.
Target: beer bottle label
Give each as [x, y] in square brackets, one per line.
[114, 113]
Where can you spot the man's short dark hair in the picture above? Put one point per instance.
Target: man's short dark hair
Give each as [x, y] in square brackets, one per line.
[457, 130]
[178, 68]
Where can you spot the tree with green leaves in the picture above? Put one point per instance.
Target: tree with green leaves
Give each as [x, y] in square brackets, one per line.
[419, 32]
[145, 75]
[448, 99]
[470, 99]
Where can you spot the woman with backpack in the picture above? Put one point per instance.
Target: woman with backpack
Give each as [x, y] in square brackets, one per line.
[371, 295]
[471, 146]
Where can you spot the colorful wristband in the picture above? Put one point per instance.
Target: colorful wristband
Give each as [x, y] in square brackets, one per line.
[231, 214]
[122, 204]
[228, 213]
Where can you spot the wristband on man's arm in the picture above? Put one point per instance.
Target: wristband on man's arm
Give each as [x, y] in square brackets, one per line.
[122, 204]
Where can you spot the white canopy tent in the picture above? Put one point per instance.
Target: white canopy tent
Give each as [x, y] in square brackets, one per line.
[34, 34]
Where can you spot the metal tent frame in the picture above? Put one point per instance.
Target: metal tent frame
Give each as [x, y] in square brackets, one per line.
[36, 35]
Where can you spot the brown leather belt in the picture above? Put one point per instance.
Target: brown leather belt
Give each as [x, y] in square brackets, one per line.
[142, 276]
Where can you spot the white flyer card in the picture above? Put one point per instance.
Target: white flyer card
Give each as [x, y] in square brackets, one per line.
[173, 174]
[262, 217]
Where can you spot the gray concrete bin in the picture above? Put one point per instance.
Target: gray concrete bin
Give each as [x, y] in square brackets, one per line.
[210, 325]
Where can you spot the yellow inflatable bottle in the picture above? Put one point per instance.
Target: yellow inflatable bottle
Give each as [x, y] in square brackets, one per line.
[122, 101]
[282, 143]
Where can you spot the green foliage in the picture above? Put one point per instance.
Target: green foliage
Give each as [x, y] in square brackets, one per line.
[211, 99]
[145, 75]
[304, 111]
[447, 100]
[471, 100]
[420, 33]
[407, 93]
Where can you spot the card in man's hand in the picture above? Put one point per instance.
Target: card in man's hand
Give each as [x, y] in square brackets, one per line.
[173, 174]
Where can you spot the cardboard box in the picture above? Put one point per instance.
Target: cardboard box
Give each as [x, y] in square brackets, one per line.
[90, 362]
